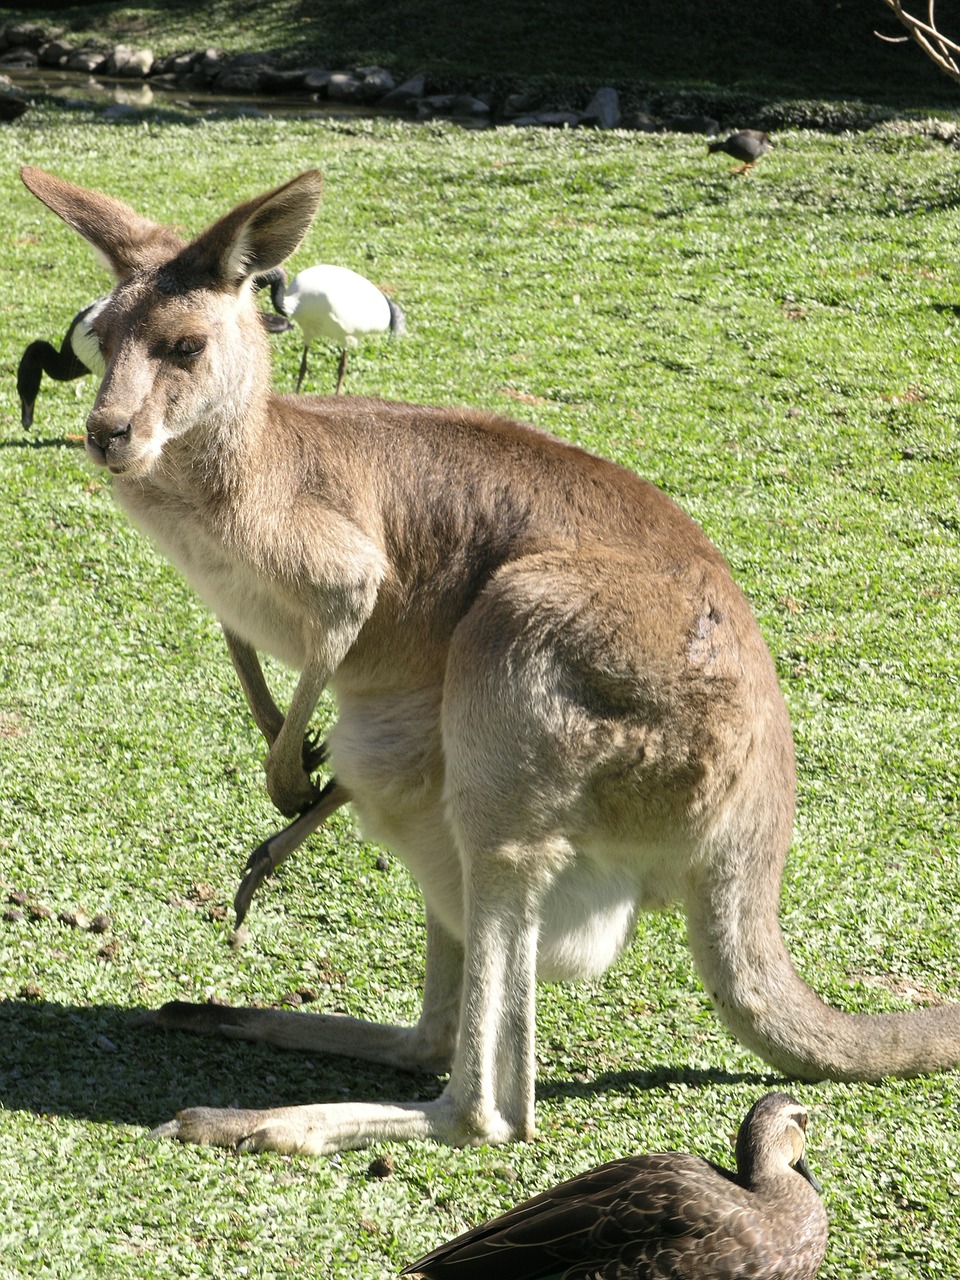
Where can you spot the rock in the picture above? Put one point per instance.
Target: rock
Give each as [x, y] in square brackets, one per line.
[24, 44]
[520, 104]
[377, 81]
[317, 79]
[344, 87]
[238, 80]
[603, 110]
[176, 64]
[693, 124]
[19, 59]
[406, 94]
[243, 73]
[549, 120]
[274, 81]
[124, 61]
[211, 63]
[437, 104]
[25, 35]
[464, 104]
[54, 53]
[86, 59]
[642, 122]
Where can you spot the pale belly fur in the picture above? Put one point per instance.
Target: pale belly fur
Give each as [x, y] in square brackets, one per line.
[388, 753]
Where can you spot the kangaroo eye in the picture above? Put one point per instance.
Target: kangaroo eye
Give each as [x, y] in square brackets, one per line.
[186, 348]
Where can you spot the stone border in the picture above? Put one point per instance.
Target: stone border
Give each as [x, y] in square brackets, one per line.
[28, 45]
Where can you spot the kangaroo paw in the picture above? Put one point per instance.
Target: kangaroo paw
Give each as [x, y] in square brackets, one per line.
[314, 751]
[220, 1127]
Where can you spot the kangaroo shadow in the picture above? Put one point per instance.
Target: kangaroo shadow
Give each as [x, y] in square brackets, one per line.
[48, 442]
[101, 1063]
[104, 1063]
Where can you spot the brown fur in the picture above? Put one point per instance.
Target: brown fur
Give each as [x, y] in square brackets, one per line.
[554, 703]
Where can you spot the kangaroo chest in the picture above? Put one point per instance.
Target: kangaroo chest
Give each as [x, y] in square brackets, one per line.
[267, 614]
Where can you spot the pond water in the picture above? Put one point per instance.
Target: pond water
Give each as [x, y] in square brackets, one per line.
[107, 91]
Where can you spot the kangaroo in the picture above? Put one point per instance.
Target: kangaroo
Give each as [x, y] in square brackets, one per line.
[554, 704]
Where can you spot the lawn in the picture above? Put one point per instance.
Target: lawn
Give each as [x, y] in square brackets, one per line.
[780, 353]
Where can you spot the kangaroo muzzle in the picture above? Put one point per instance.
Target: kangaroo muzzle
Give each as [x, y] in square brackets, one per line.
[108, 439]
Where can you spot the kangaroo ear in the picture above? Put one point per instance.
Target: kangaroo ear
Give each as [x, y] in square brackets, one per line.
[121, 239]
[257, 235]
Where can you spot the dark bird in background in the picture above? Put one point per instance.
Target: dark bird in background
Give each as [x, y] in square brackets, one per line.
[79, 352]
[12, 107]
[747, 146]
[275, 282]
[667, 1216]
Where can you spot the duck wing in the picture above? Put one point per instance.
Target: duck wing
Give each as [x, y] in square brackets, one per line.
[640, 1217]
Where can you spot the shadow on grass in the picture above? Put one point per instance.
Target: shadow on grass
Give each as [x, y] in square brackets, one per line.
[100, 1063]
[656, 1078]
[49, 442]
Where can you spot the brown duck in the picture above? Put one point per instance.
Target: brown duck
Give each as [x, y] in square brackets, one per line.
[667, 1216]
[747, 146]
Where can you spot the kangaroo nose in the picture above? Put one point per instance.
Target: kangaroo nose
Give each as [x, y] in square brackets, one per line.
[106, 431]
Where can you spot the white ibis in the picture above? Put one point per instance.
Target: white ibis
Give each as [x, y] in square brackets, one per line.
[79, 354]
[338, 305]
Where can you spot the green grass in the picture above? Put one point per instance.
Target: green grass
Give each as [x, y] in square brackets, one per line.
[778, 352]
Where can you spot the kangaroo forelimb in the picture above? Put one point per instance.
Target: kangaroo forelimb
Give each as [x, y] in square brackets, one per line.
[265, 859]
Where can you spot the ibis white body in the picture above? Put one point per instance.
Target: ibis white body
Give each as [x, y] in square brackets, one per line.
[335, 304]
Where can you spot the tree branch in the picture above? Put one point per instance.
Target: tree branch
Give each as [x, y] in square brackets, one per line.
[934, 44]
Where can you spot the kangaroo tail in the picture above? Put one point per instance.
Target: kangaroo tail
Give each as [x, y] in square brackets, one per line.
[738, 947]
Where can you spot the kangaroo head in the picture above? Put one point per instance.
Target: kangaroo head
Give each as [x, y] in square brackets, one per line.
[185, 355]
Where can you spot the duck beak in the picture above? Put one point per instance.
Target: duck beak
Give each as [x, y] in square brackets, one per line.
[804, 1171]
